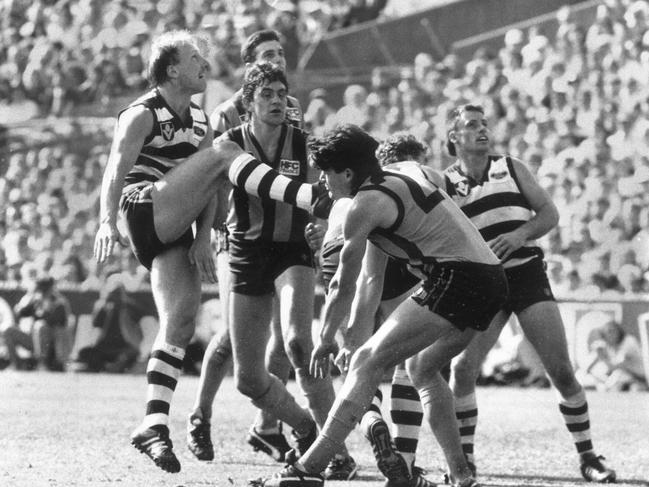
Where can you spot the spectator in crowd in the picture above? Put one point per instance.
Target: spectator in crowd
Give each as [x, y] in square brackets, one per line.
[116, 317]
[47, 339]
[587, 121]
[615, 360]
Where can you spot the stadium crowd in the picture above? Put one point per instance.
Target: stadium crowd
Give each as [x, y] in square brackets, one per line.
[58, 54]
[574, 106]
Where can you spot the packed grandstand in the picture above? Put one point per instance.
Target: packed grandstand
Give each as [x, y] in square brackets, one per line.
[573, 104]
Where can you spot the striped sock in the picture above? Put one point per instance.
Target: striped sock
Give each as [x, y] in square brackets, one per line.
[377, 400]
[466, 412]
[373, 413]
[162, 374]
[406, 414]
[575, 413]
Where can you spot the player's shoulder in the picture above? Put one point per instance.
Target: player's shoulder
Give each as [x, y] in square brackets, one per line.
[228, 114]
[145, 102]
[230, 104]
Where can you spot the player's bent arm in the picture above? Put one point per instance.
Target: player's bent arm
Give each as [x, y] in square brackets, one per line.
[131, 130]
[369, 287]
[546, 214]
[365, 214]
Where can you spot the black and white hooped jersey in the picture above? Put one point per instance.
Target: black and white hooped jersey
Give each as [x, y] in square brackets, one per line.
[251, 217]
[169, 143]
[495, 204]
[429, 226]
[232, 113]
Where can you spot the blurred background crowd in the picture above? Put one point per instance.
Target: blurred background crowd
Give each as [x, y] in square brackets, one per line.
[574, 106]
[55, 54]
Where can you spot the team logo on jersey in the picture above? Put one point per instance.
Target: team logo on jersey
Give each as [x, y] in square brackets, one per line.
[292, 114]
[288, 167]
[199, 131]
[167, 130]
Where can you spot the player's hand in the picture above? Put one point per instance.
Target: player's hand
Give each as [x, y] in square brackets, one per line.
[314, 234]
[503, 245]
[344, 357]
[321, 357]
[201, 255]
[107, 235]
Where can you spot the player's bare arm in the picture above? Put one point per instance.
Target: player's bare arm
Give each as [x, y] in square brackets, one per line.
[545, 218]
[369, 210]
[131, 130]
[369, 287]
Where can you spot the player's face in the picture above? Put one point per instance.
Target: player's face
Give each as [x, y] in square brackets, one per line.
[269, 103]
[472, 133]
[338, 183]
[192, 69]
[271, 52]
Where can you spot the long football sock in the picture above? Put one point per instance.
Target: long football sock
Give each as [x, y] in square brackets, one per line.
[406, 414]
[575, 414]
[163, 370]
[466, 413]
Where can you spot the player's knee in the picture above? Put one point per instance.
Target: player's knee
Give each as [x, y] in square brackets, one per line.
[248, 385]
[464, 372]
[224, 153]
[363, 359]
[219, 356]
[298, 352]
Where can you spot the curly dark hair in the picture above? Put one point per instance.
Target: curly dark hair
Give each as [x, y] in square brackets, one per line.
[259, 75]
[400, 147]
[346, 146]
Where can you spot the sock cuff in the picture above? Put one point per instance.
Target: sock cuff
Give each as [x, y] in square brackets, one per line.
[173, 350]
[574, 400]
[466, 402]
[400, 376]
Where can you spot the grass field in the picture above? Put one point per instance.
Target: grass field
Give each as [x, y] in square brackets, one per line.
[72, 430]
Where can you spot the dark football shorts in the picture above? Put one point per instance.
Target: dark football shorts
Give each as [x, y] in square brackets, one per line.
[137, 209]
[329, 260]
[467, 294]
[528, 284]
[254, 265]
[398, 279]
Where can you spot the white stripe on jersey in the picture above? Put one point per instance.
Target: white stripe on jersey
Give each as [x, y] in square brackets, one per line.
[162, 114]
[496, 215]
